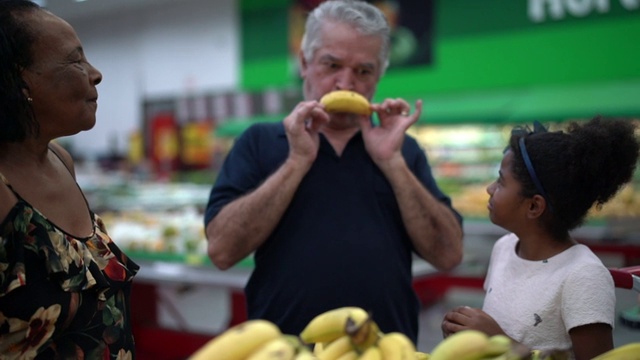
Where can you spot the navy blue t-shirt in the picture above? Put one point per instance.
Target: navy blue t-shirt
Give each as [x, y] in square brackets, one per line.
[341, 242]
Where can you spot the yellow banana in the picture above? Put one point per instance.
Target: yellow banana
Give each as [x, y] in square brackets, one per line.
[305, 355]
[396, 346]
[349, 355]
[346, 101]
[463, 345]
[317, 348]
[336, 348]
[625, 352]
[363, 335]
[239, 341]
[419, 355]
[331, 324]
[372, 353]
[497, 345]
[535, 354]
[276, 349]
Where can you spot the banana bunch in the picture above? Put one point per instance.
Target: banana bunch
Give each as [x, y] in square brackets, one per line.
[552, 354]
[624, 352]
[350, 333]
[239, 342]
[347, 102]
[473, 344]
[254, 340]
[346, 333]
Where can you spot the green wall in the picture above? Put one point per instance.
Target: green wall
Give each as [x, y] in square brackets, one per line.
[479, 45]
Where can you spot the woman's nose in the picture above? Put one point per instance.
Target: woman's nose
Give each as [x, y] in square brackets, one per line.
[95, 74]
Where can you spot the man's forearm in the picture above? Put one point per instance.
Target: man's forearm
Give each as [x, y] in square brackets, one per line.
[431, 225]
[245, 223]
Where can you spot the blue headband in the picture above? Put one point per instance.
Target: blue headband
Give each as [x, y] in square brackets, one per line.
[532, 172]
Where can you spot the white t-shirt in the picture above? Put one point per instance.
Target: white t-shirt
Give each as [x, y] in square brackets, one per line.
[538, 302]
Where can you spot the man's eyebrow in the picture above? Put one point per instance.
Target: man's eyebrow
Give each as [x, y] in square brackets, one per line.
[331, 58]
[328, 57]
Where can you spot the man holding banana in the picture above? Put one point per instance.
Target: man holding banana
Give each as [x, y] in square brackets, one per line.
[333, 206]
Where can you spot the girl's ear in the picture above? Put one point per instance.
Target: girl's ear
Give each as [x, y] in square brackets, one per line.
[537, 205]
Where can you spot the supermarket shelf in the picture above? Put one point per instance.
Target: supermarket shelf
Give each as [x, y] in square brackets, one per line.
[162, 272]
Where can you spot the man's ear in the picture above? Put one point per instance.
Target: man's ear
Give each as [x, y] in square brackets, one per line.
[537, 205]
[302, 64]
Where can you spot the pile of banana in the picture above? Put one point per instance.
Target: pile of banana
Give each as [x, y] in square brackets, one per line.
[473, 344]
[350, 333]
[253, 340]
[346, 333]
[624, 352]
[476, 345]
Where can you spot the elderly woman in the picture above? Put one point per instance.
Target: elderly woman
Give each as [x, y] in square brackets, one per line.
[64, 285]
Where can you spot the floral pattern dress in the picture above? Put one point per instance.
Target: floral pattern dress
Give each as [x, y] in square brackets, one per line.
[62, 297]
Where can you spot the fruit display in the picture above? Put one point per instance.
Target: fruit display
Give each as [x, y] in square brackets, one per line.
[471, 201]
[624, 352]
[175, 232]
[346, 101]
[339, 334]
[350, 333]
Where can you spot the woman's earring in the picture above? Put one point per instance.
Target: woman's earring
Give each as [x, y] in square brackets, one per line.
[30, 99]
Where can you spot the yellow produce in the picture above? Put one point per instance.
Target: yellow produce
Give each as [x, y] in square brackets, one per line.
[346, 101]
[463, 345]
[396, 346]
[350, 355]
[335, 349]
[331, 324]
[372, 353]
[421, 355]
[305, 355]
[624, 352]
[276, 349]
[363, 335]
[498, 344]
[317, 348]
[238, 342]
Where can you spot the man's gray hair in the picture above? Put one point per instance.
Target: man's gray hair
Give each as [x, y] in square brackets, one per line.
[364, 17]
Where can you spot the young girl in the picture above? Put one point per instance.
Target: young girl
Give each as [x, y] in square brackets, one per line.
[543, 289]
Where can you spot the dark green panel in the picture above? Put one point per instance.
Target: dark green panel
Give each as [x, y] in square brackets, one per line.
[266, 72]
[263, 4]
[264, 33]
[479, 67]
[584, 52]
[466, 17]
[264, 47]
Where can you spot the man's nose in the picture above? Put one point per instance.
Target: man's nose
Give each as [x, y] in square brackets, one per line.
[345, 80]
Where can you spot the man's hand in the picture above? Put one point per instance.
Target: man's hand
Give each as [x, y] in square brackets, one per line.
[384, 142]
[301, 127]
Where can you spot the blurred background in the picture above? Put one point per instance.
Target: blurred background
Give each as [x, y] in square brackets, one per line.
[183, 78]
